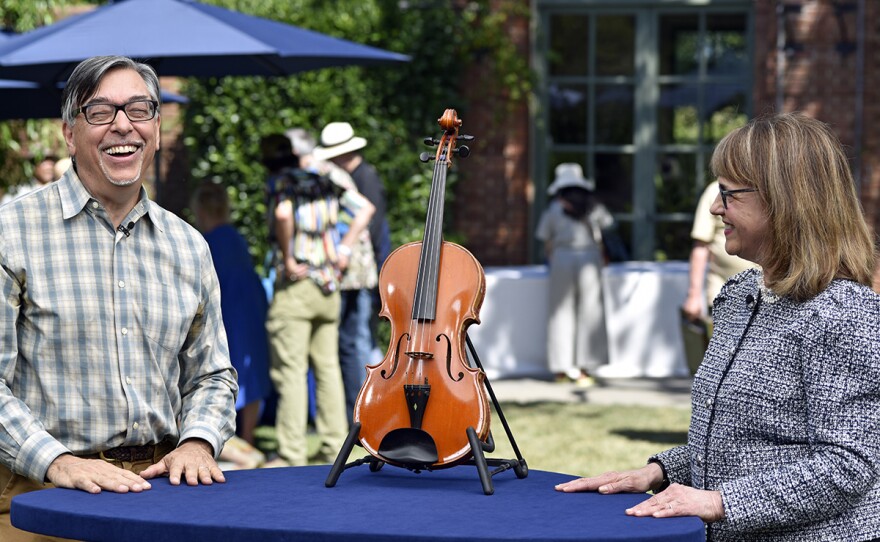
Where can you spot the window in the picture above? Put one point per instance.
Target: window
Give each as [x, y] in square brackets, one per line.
[639, 96]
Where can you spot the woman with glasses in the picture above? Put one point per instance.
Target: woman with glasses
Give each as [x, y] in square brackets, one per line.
[784, 442]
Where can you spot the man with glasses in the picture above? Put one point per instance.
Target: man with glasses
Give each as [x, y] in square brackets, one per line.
[114, 366]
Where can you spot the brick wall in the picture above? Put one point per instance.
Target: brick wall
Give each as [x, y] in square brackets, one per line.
[870, 157]
[493, 195]
[821, 77]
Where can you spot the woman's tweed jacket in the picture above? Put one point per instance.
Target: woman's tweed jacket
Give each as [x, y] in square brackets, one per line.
[787, 425]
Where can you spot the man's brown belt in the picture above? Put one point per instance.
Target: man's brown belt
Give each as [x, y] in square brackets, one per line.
[129, 453]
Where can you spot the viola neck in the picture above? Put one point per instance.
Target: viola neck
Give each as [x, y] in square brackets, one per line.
[425, 302]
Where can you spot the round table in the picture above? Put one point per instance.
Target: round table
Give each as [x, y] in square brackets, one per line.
[392, 504]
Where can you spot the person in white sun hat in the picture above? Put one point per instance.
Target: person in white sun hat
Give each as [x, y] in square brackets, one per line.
[340, 145]
[360, 299]
[571, 229]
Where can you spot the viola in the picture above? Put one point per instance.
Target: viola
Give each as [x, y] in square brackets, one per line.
[417, 406]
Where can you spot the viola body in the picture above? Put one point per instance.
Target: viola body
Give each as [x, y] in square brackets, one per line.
[430, 355]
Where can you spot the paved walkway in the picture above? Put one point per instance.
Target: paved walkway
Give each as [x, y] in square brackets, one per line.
[606, 391]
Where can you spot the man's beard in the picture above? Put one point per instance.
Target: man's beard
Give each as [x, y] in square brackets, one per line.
[122, 182]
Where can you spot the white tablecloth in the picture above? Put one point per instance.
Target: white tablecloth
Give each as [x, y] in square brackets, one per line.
[641, 308]
[642, 301]
[511, 338]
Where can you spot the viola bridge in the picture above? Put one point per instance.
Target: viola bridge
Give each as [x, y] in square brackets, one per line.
[420, 355]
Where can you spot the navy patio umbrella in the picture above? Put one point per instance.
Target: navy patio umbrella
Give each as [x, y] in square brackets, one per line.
[29, 100]
[179, 38]
[26, 99]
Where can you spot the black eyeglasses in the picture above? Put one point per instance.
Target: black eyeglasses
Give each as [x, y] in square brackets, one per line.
[136, 111]
[725, 193]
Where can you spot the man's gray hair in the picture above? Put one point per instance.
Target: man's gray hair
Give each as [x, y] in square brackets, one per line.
[86, 78]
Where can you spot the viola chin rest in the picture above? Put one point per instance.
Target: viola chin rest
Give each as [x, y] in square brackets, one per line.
[412, 448]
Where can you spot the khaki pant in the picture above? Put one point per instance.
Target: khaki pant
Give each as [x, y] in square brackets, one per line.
[303, 326]
[14, 484]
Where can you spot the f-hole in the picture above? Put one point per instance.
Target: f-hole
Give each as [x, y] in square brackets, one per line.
[449, 358]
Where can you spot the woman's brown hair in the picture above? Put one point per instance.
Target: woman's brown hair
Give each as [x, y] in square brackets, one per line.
[818, 230]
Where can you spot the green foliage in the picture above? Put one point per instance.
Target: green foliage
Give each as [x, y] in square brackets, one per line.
[587, 439]
[22, 16]
[394, 107]
[21, 139]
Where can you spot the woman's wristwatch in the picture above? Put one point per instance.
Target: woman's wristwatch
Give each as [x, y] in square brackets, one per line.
[664, 483]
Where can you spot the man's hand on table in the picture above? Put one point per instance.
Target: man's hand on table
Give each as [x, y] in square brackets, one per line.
[193, 459]
[93, 475]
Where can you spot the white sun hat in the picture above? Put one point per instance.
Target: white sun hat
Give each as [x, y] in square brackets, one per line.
[337, 138]
[570, 175]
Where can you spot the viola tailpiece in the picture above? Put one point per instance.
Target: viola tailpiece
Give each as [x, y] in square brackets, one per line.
[424, 406]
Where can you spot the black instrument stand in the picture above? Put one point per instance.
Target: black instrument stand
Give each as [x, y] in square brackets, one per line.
[478, 448]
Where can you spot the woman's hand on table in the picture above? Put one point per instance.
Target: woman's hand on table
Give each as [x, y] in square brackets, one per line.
[680, 500]
[629, 481]
[676, 500]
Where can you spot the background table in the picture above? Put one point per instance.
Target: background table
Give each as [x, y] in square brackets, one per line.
[642, 301]
[393, 504]
[512, 338]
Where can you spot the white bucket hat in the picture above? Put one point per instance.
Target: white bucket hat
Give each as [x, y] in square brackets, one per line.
[337, 138]
[570, 175]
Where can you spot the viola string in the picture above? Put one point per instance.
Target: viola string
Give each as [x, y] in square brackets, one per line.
[416, 329]
[435, 209]
[431, 247]
[434, 251]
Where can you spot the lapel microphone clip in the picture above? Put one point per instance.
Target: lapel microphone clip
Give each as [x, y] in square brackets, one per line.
[126, 229]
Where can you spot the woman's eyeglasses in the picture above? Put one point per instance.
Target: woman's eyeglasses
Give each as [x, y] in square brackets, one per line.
[725, 193]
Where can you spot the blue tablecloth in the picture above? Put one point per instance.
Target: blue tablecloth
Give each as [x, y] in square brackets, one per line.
[392, 504]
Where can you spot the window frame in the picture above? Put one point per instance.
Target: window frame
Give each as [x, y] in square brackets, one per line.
[643, 220]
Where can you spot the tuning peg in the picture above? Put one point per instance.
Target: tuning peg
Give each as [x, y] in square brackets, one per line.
[463, 151]
[426, 157]
[430, 141]
[466, 137]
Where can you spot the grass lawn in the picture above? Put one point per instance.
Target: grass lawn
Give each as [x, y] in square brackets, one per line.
[574, 438]
[585, 439]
